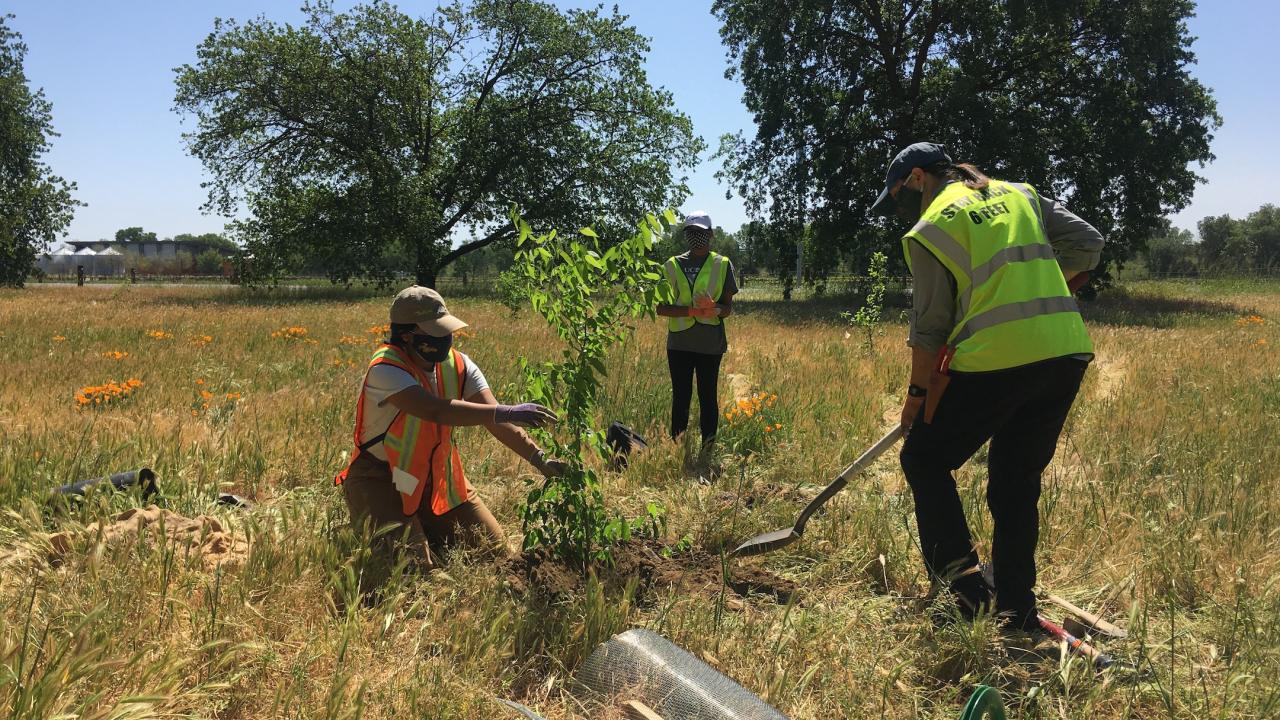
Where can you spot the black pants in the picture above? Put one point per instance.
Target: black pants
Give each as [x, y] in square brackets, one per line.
[1021, 411]
[683, 365]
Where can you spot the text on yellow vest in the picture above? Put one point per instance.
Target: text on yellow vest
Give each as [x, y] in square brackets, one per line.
[1012, 302]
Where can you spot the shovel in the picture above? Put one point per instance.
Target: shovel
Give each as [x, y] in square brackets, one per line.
[778, 539]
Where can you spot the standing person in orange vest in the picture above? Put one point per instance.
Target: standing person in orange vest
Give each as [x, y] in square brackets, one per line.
[703, 285]
[405, 469]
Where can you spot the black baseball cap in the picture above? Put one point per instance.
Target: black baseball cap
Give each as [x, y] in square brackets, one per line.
[921, 154]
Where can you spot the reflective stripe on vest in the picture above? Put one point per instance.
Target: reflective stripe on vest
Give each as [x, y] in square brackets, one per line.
[1013, 306]
[421, 453]
[1015, 311]
[710, 281]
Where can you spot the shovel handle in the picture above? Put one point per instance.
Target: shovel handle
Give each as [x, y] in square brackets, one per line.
[1093, 619]
[838, 484]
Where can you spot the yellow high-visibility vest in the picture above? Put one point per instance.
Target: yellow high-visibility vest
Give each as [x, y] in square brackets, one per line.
[1012, 301]
[710, 281]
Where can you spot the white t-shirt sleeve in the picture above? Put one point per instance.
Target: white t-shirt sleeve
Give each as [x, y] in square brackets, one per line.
[381, 382]
[475, 382]
[387, 380]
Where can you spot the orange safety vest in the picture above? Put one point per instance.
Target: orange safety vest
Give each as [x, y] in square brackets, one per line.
[421, 453]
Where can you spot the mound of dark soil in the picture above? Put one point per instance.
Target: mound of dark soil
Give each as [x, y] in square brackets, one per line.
[695, 571]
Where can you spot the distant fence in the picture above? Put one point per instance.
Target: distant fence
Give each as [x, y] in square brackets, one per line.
[292, 280]
[1144, 274]
[486, 283]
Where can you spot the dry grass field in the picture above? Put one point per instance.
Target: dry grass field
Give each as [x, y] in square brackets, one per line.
[1161, 510]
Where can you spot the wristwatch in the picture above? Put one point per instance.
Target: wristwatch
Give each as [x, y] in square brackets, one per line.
[914, 390]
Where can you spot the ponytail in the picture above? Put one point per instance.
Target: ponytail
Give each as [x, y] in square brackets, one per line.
[967, 173]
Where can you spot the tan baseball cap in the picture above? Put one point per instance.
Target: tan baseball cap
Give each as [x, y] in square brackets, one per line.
[422, 306]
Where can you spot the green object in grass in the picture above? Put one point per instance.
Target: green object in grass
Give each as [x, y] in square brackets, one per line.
[983, 703]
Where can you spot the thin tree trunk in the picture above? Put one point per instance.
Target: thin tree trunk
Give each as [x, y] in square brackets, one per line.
[425, 267]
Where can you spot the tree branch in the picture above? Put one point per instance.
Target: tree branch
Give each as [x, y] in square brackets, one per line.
[463, 249]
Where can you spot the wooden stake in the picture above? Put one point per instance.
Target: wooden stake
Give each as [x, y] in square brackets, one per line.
[636, 710]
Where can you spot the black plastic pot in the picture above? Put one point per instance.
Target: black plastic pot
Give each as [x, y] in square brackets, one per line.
[142, 477]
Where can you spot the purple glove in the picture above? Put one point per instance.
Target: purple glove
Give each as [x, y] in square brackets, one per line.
[524, 415]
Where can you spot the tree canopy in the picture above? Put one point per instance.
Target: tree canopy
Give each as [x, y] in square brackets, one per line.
[35, 205]
[360, 138]
[213, 240]
[1090, 101]
[1248, 245]
[134, 235]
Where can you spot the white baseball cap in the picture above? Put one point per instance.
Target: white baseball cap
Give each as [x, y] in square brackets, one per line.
[697, 218]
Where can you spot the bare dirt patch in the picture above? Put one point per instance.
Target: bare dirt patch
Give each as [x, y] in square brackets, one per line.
[739, 386]
[695, 571]
[1111, 374]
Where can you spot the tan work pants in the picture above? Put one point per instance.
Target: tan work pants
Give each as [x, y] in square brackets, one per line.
[372, 498]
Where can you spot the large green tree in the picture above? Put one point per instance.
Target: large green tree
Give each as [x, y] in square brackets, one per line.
[1091, 101]
[367, 135]
[35, 205]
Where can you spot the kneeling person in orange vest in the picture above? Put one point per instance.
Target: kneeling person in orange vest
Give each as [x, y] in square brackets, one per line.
[405, 469]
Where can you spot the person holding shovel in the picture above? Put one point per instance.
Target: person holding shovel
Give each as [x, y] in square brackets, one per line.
[998, 351]
[405, 469]
[703, 285]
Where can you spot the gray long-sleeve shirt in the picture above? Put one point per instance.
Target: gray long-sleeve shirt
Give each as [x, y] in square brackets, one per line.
[1077, 245]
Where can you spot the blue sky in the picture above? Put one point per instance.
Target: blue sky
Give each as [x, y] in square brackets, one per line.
[107, 67]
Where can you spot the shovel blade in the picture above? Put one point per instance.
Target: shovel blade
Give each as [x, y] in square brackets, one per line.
[767, 542]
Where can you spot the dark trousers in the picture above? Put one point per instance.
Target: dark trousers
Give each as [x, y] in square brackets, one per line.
[1021, 411]
[683, 365]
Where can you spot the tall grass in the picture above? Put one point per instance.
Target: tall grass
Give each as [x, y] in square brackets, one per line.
[1160, 510]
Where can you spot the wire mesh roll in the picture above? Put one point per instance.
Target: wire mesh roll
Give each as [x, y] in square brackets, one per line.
[642, 665]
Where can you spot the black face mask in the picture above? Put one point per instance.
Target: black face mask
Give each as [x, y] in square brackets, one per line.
[697, 238]
[432, 349]
[908, 204]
